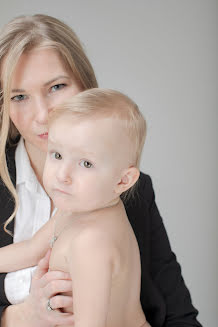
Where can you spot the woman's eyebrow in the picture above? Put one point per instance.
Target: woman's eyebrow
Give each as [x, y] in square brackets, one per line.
[55, 79]
[17, 90]
[46, 84]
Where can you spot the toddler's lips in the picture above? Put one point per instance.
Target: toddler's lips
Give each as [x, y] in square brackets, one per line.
[61, 191]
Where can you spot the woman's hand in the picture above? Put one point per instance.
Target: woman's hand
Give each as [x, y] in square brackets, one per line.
[45, 287]
[33, 312]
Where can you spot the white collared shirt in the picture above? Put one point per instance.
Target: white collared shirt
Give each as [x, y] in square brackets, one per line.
[33, 212]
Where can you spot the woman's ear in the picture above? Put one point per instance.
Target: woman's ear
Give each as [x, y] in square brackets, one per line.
[128, 178]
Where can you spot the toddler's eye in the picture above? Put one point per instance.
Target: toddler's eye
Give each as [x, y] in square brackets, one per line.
[86, 164]
[56, 155]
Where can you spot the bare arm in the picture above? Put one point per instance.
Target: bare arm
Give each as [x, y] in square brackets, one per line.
[26, 253]
[34, 309]
[90, 262]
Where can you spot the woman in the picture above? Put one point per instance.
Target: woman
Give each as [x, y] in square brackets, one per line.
[42, 63]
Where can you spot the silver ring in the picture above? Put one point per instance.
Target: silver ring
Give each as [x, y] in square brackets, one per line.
[49, 308]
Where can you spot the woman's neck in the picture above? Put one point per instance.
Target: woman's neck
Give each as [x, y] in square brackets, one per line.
[37, 160]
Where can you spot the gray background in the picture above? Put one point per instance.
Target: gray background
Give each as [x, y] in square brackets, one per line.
[163, 54]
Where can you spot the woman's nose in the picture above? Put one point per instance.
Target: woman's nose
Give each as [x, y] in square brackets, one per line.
[42, 110]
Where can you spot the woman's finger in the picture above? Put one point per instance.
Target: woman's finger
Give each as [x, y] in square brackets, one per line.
[57, 286]
[43, 266]
[61, 301]
[59, 318]
[53, 275]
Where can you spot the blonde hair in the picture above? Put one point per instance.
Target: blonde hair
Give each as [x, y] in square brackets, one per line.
[101, 103]
[23, 34]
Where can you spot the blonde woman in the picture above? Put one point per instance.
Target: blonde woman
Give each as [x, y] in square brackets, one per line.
[42, 64]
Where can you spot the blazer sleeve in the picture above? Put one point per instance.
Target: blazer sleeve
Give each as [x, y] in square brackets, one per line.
[6, 209]
[166, 271]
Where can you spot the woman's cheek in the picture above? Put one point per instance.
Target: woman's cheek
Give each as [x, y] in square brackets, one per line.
[63, 95]
[22, 119]
[14, 116]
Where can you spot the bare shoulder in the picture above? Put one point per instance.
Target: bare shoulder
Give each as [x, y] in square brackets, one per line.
[101, 234]
[91, 236]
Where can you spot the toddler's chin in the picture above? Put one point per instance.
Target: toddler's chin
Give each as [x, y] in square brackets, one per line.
[71, 205]
[63, 206]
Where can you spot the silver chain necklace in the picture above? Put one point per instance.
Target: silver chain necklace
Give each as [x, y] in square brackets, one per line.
[56, 235]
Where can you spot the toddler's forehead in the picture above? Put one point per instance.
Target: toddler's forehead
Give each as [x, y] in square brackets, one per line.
[73, 119]
[108, 127]
[105, 137]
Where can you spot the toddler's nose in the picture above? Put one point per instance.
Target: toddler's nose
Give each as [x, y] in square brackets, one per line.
[64, 176]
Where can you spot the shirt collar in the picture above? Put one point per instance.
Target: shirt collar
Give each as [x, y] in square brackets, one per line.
[24, 171]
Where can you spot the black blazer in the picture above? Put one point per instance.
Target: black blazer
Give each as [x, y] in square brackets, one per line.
[165, 298]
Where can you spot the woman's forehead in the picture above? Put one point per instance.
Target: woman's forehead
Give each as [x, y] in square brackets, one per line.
[41, 65]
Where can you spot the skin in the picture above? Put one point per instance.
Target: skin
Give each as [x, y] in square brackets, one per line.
[33, 98]
[88, 169]
[85, 173]
[31, 101]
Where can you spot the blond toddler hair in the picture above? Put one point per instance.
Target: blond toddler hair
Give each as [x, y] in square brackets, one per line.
[100, 103]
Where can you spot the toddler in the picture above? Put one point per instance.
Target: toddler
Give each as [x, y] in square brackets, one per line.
[94, 146]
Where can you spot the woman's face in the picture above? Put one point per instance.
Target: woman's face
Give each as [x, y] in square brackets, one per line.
[40, 82]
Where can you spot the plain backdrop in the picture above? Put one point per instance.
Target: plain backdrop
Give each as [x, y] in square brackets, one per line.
[163, 54]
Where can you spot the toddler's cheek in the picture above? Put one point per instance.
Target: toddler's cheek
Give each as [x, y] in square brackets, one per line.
[47, 180]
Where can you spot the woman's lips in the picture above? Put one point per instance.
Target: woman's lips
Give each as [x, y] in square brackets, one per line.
[44, 136]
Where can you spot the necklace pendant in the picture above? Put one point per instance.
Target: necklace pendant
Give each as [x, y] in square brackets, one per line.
[52, 242]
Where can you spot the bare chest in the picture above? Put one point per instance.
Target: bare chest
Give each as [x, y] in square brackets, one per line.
[60, 248]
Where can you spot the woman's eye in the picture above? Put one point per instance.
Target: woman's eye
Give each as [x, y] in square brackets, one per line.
[57, 87]
[86, 164]
[56, 155]
[19, 97]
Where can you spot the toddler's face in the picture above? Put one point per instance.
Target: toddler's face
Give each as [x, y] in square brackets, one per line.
[84, 162]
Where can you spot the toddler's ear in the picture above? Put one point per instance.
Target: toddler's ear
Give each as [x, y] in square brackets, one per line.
[129, 178]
